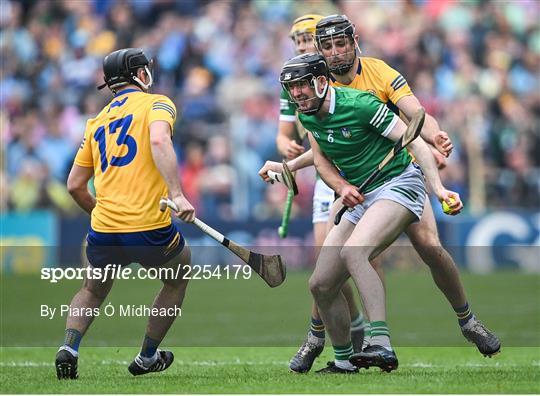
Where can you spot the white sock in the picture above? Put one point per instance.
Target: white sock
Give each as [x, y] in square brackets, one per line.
[469, 323]
[344, 364]
[381, 340]
[69, 349]
[314, 339]
[148, 361]
[367, 335]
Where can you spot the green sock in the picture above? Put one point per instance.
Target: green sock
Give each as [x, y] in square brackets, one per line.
[343, 352]
[380, 335]
[359, 322]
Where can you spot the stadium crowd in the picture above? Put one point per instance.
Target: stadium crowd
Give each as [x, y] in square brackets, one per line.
[475, 67]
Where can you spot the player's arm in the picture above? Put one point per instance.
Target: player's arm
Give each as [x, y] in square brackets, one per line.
[298, 163]
[77, 185]
[330, 175]
[165, 160]
[285, 142]
[81, 171]
[423, 156]
[301, 162]
[431, 133]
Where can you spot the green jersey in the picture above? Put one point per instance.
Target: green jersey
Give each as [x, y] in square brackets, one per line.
[353, 136]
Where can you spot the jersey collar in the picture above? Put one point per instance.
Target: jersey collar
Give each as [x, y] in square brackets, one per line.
[332, 107]
[125, 91]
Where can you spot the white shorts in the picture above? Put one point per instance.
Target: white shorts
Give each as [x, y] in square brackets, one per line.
[407, 189]
[323, 198]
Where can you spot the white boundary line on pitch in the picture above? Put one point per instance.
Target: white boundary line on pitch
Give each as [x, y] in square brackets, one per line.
[238, 362]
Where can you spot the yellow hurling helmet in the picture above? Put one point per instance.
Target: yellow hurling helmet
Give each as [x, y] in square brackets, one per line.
[305, 24]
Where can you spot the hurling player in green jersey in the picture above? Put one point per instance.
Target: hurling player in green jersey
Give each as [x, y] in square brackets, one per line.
[290, 133]
[350, 133]
[337, 42]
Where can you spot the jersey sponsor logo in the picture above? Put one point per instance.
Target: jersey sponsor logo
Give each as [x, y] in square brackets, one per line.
[398, 82]
[283, 104]
[346, 132]
[164, 106]
[379, 116]
[372, 91]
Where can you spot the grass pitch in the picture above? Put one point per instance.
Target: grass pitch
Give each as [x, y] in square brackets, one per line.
[264, 370]
[238, 336]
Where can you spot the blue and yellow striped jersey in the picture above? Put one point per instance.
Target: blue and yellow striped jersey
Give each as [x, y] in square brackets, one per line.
[116, 144]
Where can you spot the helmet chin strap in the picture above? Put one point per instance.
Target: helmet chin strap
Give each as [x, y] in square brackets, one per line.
[318, 95]
[139, 81]
[321, 95]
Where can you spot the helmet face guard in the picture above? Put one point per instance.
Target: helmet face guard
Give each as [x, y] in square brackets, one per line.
[300, 72]
[334, 32]
[120, 68]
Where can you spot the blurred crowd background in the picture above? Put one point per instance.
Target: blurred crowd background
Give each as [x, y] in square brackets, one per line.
[474, 65]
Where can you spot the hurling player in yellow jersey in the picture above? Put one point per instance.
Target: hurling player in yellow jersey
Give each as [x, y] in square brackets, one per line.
[336, 41]
[128, 149]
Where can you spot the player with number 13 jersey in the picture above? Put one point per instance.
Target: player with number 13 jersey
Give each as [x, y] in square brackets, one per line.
[117, 137]
[128, 149]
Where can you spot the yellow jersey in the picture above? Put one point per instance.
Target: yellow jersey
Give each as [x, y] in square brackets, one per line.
[375, 76]
[116, 144]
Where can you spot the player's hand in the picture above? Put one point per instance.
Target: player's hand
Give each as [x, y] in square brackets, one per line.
[350, 196]
[440, 160]
[452, 199]
[270, 166]
[294, 150]
[442, 143]
[186, 211]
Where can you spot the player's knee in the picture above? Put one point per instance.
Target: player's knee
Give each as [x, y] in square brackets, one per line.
[425, 238]
[320, 289]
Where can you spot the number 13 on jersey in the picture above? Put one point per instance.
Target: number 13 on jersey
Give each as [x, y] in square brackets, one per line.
[123, 139]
